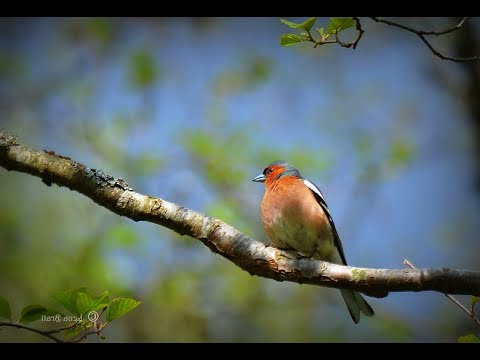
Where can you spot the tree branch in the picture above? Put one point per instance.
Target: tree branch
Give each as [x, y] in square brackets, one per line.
[25, 327]
[221, 238]
[452, 29]
[421, 34]
[360, 31]
[97, 328]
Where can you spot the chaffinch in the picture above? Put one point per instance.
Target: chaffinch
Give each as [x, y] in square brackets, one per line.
[296, 216]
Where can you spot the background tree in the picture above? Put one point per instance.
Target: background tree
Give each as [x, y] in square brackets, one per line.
[185, 113]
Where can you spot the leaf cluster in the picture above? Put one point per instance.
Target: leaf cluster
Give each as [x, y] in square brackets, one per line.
[83, 313]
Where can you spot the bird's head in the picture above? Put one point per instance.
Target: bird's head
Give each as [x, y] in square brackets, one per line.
[275, 171]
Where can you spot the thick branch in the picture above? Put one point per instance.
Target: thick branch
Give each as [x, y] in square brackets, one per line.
[250, 255]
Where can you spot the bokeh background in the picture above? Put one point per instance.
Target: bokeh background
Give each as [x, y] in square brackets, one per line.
[190, 110]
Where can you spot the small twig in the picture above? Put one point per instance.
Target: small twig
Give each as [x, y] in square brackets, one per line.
[319, 42]
[94, 331]
[360, 30]
[72, 325]
[48, 333]
[460, 305]
[409, 264]
[85, 335]
[452, 29]
[341, 43]
[352, 44]
[97, 327]
[25, 327]
[421, 34]
[470, 313]
[348, 45]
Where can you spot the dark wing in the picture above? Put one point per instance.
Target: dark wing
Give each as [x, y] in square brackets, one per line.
[321, 200]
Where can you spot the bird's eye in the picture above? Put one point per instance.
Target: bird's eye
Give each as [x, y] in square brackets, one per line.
[267, 171]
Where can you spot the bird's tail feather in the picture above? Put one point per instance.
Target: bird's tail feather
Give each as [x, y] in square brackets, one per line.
[356, 303]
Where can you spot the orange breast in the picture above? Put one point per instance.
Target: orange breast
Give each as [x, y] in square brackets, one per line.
[293, 219]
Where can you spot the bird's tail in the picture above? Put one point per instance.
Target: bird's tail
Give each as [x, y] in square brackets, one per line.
[356, 303]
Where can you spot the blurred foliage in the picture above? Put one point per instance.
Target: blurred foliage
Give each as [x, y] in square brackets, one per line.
[98, 32]
[193, 121]
[255, 71]
[143, 71]
[470, 338]
[121, 236]
[401, 154]
[10, 66]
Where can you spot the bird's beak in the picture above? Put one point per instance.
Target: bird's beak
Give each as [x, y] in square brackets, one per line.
[259, 178]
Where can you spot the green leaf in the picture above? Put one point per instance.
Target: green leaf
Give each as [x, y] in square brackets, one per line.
[5, 309]
[32, 313]
[80, 302]
[474, 300]
[470, 338]
[307, 24]
[338, 24]
[68, 299]
[83, 302]
[321, 31]
[100, 302]
[289, 23]
[290, 39]
[119, 307]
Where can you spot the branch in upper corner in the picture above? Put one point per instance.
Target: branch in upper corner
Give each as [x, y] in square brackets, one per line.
[452, 29]
[335, 26]
[421, 34]
[354, 43]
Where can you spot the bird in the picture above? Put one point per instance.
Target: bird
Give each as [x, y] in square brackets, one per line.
[296, 217]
